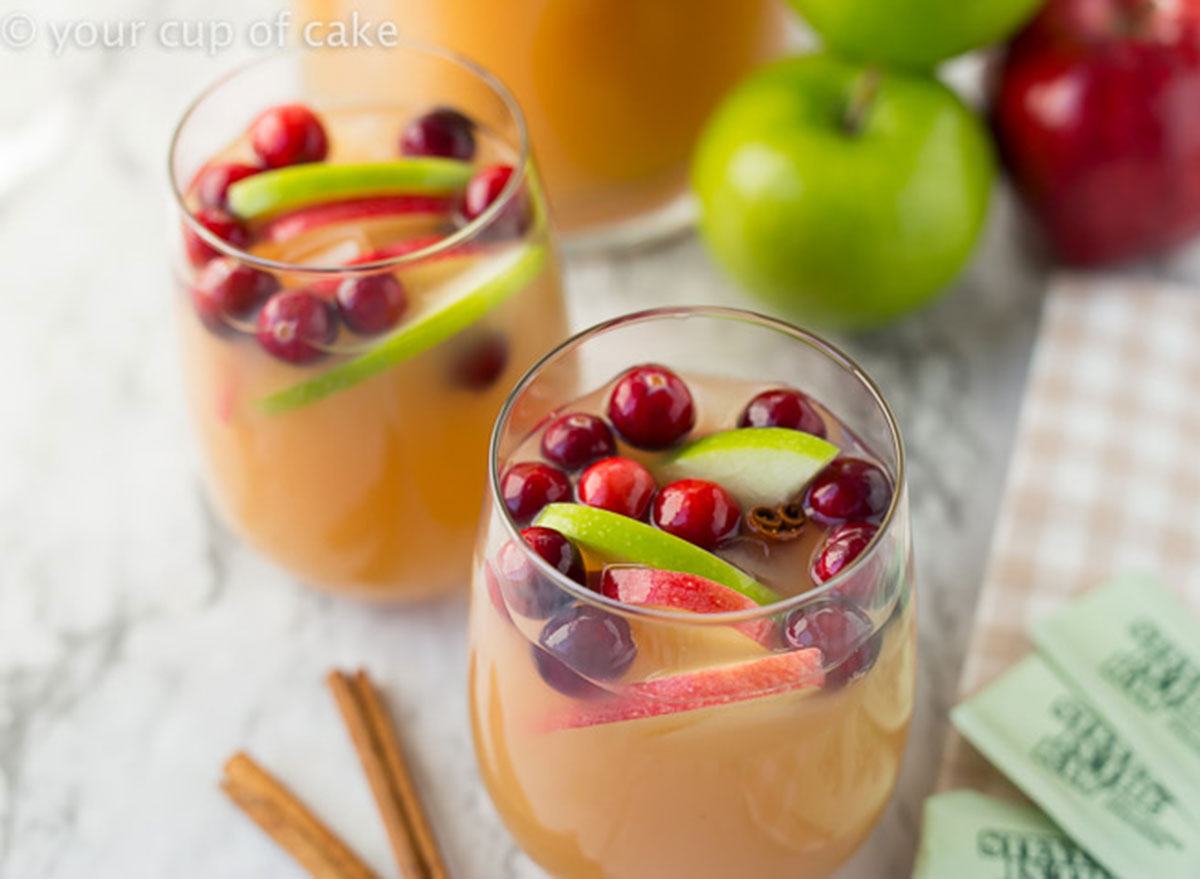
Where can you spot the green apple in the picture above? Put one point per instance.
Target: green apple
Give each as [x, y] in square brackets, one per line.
[620, 538]
[913, 33]
[841, 194]
[461, 302]
[762, 466]
[281, 189]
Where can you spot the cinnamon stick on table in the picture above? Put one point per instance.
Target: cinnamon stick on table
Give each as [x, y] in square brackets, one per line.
[379, 751]
[288, 821]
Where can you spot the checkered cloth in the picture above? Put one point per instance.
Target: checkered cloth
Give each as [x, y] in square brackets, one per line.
[1105, 477]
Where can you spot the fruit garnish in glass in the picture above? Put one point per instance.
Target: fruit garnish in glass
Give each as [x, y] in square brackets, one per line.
[692, 628]
[358, 282]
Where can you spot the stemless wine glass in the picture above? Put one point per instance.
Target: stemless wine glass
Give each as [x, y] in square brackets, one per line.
[690, 760]
[615, 92]
[359, 469]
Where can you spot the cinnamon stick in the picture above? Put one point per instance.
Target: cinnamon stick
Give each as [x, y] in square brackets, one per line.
[288, 821]
[411, 837]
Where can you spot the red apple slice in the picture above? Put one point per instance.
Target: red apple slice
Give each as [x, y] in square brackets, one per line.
[704, 688]
[295, 223]
[412, 245]
[651, 587]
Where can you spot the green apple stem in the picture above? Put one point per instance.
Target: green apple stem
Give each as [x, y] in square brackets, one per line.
[865, 89]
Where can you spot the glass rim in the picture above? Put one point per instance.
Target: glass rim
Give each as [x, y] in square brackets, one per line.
[786, 605]
[467, 232]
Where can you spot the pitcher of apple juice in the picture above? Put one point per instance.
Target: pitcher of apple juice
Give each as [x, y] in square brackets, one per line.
[692, 627]
[615, 92]
[358, 280]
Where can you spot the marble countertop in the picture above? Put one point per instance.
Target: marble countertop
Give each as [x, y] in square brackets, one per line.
[140, 644]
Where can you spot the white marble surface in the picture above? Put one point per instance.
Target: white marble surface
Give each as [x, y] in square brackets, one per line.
[140, 644]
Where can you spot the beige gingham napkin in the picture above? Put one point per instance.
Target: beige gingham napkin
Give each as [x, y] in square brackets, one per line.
[1105, 476]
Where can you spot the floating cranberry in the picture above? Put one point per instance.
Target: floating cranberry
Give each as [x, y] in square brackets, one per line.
[619, 485]
[699, 511]
[495, 595]
[228, 288]
[783, 408]
[484, 188]
[590, 643]
[529, 592]
[290, 134]
[294, 324]
[843, 634]
[372, 303]
[573, 440]
[529, 485]
[479, 361]
[849, 488]
[224, 226]
[559, 676]
[651, 407]
[840, 548]
[212, 183]
[440, 132]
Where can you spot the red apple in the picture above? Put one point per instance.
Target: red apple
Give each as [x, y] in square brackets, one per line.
[704, 688]
[1097, 110]
[293, 223]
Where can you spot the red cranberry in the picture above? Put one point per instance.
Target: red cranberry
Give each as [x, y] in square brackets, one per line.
[294, 324]
[480, 361]
[484, 188]
[212, 183]
[849, 488]
[289, 134]
[573, 440]
[224, 226]
[492, 583]
[440, 132]
[372, 303]
[619, 485]
[841, 547]
[700, 512]
[589, 642]
[529, 485]
[559, 676]
[226, 287]
[651, 407]
[843, 634]
[526, 590]
[783, 408]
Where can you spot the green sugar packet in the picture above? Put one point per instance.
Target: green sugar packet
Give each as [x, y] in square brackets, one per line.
[1134, 648]
[1091, 781]
[965, 835]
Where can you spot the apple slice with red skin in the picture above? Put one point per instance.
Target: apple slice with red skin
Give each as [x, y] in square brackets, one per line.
[703, 688]
[295, 223]
[650, 587]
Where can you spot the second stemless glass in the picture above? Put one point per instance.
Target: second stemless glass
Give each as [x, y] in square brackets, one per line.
[361, 471]
[766, 782]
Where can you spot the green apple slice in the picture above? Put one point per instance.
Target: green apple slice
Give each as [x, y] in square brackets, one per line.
[620, 538]
[761, 466]
[464, 300]
[301, 185]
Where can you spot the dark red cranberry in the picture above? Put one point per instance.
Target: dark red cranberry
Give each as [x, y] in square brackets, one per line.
[495, 596]
[294, 324]
[651, 407]
[224, 226]
[571, 441]
[619, 485]
[529, 485]
[699, 511]
[371, 304]
[524, 587]
[440, 132]
[289, 134]
[843, 634]
[228, 288]
[849, 488]
[783, 408]
[479, 361]
[590, 642]
[840, 548]
[556, 673]
[484, 188]
[212, 183]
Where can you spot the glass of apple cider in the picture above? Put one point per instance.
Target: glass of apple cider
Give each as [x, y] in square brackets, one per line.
[692, 624]
[615, 92]
[360, 274]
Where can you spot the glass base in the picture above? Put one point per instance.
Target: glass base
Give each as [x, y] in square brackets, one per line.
[671, 220]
